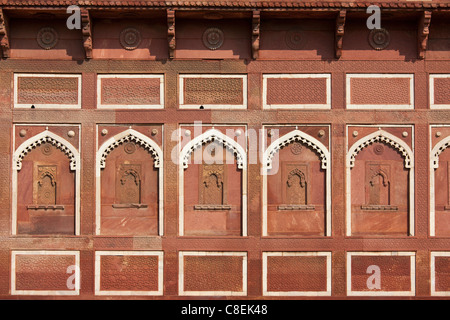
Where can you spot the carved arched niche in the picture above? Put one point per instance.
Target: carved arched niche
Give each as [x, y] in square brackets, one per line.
[129, 185]
[440, 186]
[212, 194]
[380, 172]
[296, 185]
[45, 185]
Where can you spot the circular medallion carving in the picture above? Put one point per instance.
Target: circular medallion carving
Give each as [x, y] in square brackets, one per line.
[46, 149]
[294, 39]
[213, 38]
[129, 147]
[296, 148]
[130, 38]
[47, 38]
[378, 149]
[379, 38]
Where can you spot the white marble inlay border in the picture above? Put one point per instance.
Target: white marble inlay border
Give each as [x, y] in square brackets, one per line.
[99, 292]
[68, 292]
[265, 256]
[378, 293]
[350, 76]
[160, 105]
[49, 105]
[183, 292]
[326, 76]
[431, 93]
[182, 77]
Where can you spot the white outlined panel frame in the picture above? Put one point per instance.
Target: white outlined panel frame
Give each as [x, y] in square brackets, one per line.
[181, 78]
[76, 166]
[431, 93]
[433, 256]
[326, 76]
[350, 150]
[129, 134]
[159, 292]
[183, 254]
[408, 106]
[326, 165]
[379, 293]
[434, 163]
[296, 293]
[18, 105]
[208, 135]
[130, 76]
[68, 292]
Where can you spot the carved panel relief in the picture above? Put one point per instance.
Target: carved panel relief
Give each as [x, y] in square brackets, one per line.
[297, 183]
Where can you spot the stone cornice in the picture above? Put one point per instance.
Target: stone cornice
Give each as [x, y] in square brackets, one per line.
[244, 5]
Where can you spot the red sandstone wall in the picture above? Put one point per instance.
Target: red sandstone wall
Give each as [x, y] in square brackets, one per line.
[224, 252]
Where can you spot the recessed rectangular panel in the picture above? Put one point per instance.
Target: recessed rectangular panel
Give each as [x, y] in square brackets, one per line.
[297, 273]
[129, 273]
[440, 273]
[212, 273]
[381, 273]
[130, 91]
[439, 91]
[213, 91]
[45, 272]
[47, 91]
[297, 91]
[380, 91]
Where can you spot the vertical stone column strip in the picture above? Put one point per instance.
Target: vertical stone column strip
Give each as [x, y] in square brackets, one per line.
[4, 33]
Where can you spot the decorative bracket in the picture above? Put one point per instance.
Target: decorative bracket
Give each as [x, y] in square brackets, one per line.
[339, 36]
[256, 24]
[424, 31]
[4, 32]
[171, 32]
[86, 30]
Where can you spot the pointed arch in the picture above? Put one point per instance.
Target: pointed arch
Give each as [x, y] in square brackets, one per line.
[322, 152]
[125, 136]
[46, 137]
[437, 150]
[210, 136]
[241, 160]
[299, 136]
[384, 137]
[30, 144]
[152, 147]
